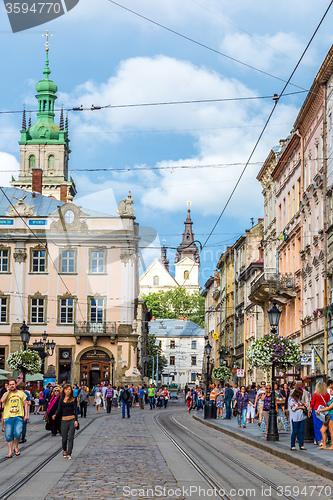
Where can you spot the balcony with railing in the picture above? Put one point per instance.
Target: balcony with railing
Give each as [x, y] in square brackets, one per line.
[269, 284]
[88, 328]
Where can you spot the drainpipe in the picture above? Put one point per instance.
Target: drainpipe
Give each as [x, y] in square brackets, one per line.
[302, 190]
[325, 224]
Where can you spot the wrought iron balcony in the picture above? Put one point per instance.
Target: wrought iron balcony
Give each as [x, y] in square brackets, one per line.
[269, 284]
[90, 328]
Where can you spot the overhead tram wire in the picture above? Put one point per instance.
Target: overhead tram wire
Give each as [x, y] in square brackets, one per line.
[41, 243]
[161, 103]
[276, 100]
[204, 45]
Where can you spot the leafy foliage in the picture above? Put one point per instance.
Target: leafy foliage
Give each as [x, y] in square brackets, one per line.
[177, 303]
[152, 351]
[221, 373]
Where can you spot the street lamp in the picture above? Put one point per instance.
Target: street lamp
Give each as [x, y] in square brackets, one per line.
[44, 347]
[222, 360]
[25, 337]
[112, 366]
[272, 432]
[208, 350]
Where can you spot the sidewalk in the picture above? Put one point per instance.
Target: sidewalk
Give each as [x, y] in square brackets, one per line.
[314, 460]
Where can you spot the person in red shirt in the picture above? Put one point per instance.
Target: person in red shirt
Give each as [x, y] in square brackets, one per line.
[320, 397]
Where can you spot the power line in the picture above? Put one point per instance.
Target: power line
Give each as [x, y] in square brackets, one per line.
[276, 100]
[203, 45]
[147, 104]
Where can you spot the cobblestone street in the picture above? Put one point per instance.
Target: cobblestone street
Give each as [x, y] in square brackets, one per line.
[121, 455]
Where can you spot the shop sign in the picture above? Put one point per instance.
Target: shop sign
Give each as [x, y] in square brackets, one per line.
[240, 372]
[306, 358]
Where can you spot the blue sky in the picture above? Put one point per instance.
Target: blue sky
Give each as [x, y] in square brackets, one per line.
[101, 54]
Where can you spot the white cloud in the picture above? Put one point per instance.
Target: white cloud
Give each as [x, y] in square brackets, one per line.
[141, 80]
[9, 166]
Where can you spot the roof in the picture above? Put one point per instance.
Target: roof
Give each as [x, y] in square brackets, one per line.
[175, 328]
[43, 205]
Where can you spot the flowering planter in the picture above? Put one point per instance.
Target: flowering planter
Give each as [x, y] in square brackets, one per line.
[28, 361]
[271, 348]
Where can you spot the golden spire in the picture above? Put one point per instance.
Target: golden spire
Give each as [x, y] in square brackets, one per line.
[47, 36]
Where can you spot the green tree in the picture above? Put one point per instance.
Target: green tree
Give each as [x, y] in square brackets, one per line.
[152, 351]
[177, 303]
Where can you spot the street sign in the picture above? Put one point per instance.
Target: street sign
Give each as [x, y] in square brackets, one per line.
[215, 336]
[306, 358]
[240, 373]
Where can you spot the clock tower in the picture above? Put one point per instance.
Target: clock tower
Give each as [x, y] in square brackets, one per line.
[45, 145]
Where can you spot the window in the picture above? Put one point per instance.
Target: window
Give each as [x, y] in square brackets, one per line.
[186, 275]
[96, 310]
[172, 360]
[66, 311]
[193, 360]
[3, 309]
[2, 357]
[68, 261]
[97, 261]
[156, 281]
[193, 377]
[51, 162]
[4, 261]
[172, 344]
[194, 344]
[32, 161]
[38, 261]
[37, 311]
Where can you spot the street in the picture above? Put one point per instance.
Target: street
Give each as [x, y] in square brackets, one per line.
[154, 454]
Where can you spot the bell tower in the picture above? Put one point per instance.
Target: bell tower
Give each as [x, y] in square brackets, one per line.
[45, 144]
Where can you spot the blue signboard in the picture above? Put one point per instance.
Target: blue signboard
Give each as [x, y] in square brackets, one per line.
[41, 222]
[6, 222]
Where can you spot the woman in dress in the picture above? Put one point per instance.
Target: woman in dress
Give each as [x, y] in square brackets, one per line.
[320, 398]
[189, 400]
[219, 401]
[280, 403]
[285, 393]
[67, 411]
[53, 425]
[166, 396]
[98, 399]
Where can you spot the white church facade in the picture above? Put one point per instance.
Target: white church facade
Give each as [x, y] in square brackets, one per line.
[157, 276]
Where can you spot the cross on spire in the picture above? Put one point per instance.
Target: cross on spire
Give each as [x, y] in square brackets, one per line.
[47, 36]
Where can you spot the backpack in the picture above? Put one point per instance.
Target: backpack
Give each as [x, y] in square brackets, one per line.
[125, 395]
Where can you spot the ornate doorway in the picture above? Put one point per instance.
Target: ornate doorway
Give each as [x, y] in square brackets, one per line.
[94, 368]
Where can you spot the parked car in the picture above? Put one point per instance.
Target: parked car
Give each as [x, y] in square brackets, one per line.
[173, 395]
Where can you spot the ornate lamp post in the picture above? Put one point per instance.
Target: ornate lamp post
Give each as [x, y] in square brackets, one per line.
[44, 347]
[25, 337]
[273, 435]
[208, 350]
[112, 360]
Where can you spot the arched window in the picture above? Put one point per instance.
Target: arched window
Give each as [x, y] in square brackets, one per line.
[186, 275]
[32, 161]
[156, 281]
[51, 161]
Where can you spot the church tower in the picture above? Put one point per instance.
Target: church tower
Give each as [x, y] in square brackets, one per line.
[45, 145]
[187, 260]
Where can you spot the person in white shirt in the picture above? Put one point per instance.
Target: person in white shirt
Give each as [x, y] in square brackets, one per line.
[103, 390]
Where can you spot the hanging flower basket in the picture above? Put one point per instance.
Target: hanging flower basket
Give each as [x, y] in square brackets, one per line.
[221, 373]
[27, 360]
[272, 348]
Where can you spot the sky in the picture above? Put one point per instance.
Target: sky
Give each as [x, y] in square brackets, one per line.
[102, 54]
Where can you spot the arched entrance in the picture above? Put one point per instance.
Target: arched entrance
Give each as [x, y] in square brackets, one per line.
[94, 368]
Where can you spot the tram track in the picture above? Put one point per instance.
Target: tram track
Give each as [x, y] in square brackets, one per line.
[29, 445]
[17, 485]
[207, 476]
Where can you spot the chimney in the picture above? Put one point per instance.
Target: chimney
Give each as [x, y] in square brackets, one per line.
[63, 193]
[37, 180]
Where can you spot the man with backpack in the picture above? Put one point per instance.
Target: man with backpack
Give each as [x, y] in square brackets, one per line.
[125, 398]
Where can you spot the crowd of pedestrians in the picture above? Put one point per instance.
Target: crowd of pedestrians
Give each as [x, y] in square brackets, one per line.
[293, 403]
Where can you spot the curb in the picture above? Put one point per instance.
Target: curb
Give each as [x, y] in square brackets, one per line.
[308, 464]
